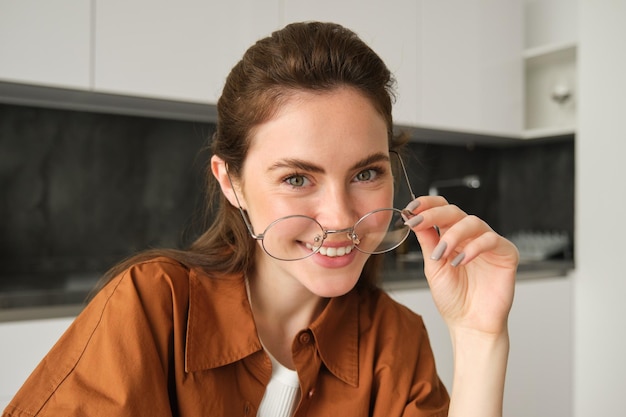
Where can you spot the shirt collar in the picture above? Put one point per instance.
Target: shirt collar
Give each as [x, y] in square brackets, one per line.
[221, 328]
[336, 333]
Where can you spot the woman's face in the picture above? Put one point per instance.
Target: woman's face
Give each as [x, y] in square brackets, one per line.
[324, 155]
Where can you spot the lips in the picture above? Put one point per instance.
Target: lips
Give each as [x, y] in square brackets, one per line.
[332, 252]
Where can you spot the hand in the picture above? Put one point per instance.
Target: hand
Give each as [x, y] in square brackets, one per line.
[469, 267]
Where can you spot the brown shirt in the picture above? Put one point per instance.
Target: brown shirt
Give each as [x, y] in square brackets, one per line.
[163, 340]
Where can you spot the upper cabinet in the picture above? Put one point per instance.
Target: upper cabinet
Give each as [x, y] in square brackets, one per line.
[550, 28]
[550, 22]
[46, 42]
[457, 63]
[471, 66]
[175, 50]
[390, 28]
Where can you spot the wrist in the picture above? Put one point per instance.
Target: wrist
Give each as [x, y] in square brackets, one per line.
[466, 335]
[480, 361]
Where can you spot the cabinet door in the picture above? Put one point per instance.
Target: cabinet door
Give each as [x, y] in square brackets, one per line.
[24, 344]
[390, 28]
[539, 373]
[550, 22]
[471, 66]
[175, 50]
[46, 42]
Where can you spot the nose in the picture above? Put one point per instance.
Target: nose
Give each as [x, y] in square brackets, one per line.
[337, 209]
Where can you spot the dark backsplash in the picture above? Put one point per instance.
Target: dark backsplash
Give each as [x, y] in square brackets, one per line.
[80, 191]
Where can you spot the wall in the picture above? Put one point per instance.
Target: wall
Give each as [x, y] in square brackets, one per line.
[81, 191]
[600, 281]
[527, 186]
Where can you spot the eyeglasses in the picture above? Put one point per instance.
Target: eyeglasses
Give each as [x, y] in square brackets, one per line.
[296, 237]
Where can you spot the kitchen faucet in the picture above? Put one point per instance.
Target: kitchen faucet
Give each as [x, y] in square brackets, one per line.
[469, 181]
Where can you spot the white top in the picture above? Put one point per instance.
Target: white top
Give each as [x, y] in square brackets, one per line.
[282, 393]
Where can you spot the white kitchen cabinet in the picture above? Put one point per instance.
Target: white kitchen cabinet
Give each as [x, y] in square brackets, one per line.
[46, 42]
[24, 344]
[175, 50]
[539, 374]
[390, 28]
[551, 93]
[458, 63]
[550, 56]
[471, 66]
[550, 22]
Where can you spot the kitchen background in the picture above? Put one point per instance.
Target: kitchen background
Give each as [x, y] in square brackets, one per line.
[83, 190]
[472, 67]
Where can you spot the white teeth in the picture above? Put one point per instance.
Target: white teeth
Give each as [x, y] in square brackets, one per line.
[332, 252]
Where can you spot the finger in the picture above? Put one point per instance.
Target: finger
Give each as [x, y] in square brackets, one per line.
[428, 239]
[486, 242]
[433, 221]
[456, 238]
[439, 216]
[423, 203]
[503, 251]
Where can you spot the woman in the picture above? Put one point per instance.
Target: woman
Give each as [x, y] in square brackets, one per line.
[274, 310]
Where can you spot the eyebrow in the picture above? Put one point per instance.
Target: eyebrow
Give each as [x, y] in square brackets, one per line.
[303, 165]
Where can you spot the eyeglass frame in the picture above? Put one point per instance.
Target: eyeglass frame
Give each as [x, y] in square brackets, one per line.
[326, 232]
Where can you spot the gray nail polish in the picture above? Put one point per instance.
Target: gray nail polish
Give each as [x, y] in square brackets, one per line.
[414, 221]
[412, 205]
[439, 250]
[458, 259]
[406, 214]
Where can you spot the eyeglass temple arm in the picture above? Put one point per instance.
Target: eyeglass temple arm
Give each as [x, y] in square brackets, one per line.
[406, 176]
[241, 210]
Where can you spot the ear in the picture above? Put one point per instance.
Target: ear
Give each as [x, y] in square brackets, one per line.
[220, 172]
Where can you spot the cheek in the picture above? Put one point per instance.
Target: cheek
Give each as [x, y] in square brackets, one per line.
[372, 200]
[263, 208]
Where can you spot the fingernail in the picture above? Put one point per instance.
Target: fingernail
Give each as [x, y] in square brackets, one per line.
[414, 221]
[458, 259]
[406, 214]
[412, 205]
[439, 250]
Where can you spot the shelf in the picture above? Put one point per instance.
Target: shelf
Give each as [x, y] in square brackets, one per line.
[550, 91]
[544, 55]
[549, 132]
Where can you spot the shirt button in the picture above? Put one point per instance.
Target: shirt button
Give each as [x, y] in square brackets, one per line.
[305, 338]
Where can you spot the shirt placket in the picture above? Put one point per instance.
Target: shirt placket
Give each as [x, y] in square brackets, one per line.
[308, 364]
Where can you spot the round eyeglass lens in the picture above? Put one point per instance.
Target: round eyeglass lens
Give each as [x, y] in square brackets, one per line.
[293, 237]
[380, 231]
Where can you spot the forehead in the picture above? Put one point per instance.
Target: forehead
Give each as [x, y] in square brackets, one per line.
[341, 124]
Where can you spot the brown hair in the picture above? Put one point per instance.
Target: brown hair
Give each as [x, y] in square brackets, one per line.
[310, 56]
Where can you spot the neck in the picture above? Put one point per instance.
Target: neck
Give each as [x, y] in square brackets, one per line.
[280, 311]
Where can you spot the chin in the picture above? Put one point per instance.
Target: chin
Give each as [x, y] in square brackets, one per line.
[333, 284]
[334, 277]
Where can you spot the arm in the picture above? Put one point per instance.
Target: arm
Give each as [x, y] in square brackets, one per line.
[111, 360]
[471, 273]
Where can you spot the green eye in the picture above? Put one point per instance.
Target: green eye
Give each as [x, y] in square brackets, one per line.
[366, 175]
[296, 181]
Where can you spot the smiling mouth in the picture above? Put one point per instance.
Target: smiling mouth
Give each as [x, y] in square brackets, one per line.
[332, 252]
